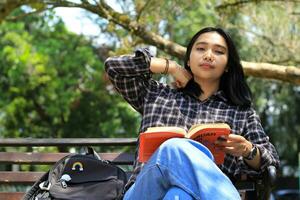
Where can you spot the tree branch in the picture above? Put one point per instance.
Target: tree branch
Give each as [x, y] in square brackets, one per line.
[295, 13]
[6, 8]
[16, 18]
[234, 4]
[288, 74]
[141, 31]
[242, 2]
[142, 9]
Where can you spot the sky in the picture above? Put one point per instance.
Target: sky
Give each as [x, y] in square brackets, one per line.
[77, 21]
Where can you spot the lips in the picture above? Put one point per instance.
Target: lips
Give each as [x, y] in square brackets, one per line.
[206, 66]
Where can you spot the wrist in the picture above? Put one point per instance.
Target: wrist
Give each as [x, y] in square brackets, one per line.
[166, 70]
[172, 67]
[251, 152]
[247, 150]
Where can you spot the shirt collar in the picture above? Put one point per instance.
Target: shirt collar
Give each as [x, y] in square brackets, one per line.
[220, 94]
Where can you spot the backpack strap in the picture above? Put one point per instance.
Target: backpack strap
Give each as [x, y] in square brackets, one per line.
[35, 188]
[88, 150]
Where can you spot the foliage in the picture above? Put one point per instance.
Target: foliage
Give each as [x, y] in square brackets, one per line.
[271, 27]
[51, 84]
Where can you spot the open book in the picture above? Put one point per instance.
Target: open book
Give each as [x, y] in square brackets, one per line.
[206, 134]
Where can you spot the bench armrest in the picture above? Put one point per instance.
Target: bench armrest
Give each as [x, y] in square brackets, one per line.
[267, 184]
[271, 175]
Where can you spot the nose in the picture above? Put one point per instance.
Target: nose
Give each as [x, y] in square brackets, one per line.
[208, 56]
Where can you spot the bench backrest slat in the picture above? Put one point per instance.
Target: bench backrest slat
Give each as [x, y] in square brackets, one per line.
[11, 196]
[68, 142]
[19, 177]
[51, 158]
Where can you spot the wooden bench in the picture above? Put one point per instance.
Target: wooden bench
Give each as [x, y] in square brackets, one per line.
[11, 158]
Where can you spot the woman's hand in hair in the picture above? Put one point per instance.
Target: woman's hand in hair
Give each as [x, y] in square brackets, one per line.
[180, 74]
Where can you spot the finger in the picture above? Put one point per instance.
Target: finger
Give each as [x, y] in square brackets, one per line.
[187, 74]
[230, 144]
[221, 140]
[228, 149]
[234, 137]
[178, 84]
[227, 144]
[232, 151]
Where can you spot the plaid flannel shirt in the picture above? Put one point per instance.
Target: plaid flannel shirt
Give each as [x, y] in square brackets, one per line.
[160, 105]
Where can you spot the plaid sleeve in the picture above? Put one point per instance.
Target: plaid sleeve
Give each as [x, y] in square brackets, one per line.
[130, 74]
[255, 133]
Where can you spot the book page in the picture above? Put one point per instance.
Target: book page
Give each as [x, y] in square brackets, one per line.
[171, 129]
[199, 127]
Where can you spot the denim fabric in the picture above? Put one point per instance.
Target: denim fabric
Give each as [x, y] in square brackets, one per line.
[175, 193]
[184, 164]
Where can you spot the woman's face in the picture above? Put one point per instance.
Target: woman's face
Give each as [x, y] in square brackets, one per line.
[209, 56]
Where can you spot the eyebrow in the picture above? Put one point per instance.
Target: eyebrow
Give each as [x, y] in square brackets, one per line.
[218, 45]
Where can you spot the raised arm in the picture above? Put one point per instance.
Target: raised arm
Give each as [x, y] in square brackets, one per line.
[165, 66]
[131, 75]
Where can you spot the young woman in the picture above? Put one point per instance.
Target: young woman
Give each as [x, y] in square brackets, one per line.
[210, 88]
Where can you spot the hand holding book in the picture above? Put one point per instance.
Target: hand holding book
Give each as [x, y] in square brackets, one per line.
[207, 134]
[235, 145]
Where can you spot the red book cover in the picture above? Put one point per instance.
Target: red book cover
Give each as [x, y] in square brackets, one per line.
[206, 134]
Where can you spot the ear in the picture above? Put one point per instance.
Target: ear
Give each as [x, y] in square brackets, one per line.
[188, 63]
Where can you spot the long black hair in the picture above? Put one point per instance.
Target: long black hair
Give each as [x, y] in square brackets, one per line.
[232, 82]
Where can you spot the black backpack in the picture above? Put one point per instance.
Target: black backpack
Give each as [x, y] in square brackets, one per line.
[80, 177]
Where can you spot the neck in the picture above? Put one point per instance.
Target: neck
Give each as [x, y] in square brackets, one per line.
[208, 88]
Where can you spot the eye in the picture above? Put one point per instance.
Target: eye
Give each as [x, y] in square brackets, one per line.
[219, 52]
[200, 49]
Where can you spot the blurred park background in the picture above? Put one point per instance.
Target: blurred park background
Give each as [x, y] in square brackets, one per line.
[52, 79]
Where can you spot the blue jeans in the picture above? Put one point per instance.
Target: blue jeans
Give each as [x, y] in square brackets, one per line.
[182, 169]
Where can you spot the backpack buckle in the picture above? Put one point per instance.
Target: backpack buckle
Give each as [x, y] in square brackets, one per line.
[43, 187]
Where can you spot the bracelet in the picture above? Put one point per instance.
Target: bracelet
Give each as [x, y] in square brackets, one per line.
[252, 153]
[167, 66]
